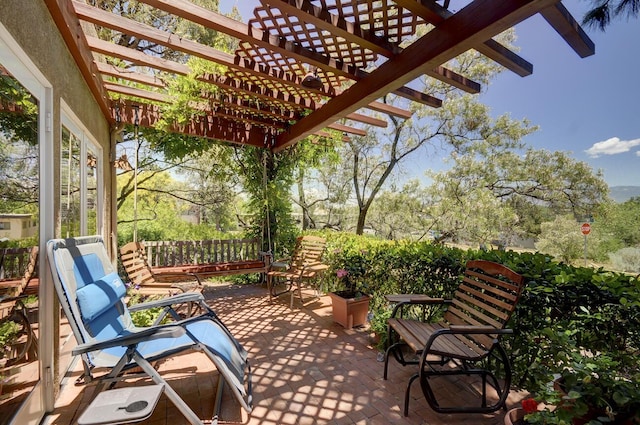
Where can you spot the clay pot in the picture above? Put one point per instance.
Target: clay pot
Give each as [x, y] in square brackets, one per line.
[514, 417]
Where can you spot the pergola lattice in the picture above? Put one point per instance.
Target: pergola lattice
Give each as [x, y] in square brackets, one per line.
[301, 66]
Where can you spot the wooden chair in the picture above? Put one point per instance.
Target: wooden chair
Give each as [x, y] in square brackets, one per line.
[467, 339]
[304, 266]
[134, 261]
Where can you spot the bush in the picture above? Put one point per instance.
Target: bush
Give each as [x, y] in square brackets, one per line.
[626, 259]
[562, 307]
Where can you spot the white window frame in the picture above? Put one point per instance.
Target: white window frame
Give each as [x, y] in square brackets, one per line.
[18, 63]
[74, 125]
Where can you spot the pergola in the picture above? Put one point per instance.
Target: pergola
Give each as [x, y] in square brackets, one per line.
[301, 66]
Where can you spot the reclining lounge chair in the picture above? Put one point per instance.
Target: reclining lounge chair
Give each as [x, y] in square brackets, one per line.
[465, 342]
[91, 294]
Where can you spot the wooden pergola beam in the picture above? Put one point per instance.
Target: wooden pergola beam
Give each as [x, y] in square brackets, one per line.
[346, 129]
[210, 127]
[435, 14]
[389, 109]
[129, 26]
[250, 34]
[569, 29]
[129, 75]
[136, 92]
[64, 16]
[233, 86]
[478, 21]
[366, 119]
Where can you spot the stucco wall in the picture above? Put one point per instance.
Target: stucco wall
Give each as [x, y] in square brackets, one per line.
[33, 28]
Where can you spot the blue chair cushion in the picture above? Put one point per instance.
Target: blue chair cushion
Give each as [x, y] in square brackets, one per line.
[97, 297]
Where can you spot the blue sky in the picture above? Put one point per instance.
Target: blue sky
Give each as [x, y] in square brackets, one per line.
[588, 107]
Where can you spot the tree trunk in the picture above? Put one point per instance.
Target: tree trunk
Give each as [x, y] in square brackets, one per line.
[362, 216]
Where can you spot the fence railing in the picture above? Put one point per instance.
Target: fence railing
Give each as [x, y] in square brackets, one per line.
[13, 262]
[178, 253]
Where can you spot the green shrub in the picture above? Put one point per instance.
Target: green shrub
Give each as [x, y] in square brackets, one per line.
[626, 259]
[561, 307]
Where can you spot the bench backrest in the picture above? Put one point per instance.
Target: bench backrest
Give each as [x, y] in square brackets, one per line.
[487, 295]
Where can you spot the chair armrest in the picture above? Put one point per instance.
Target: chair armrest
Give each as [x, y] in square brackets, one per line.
[402, 300]
[471, 329]
[176, 299]
[135, 338]
[316, 267]
[414, 299]
[193, 276]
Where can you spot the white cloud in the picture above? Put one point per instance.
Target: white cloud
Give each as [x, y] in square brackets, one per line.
[612, 146]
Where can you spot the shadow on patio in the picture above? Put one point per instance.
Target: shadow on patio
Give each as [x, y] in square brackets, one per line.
[306, 370]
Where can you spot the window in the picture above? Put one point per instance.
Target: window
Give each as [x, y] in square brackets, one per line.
[80, 180]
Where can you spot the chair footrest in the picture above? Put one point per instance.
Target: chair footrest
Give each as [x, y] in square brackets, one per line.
[122, 405]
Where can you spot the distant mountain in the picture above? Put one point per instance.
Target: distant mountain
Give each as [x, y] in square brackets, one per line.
[623, 193]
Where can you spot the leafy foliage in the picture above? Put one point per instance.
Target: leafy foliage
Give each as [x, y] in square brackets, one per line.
[603, 10]
[626, 259]
[562, 309]
[19, 166]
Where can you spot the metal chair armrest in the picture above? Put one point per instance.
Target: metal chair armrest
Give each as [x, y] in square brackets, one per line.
[171, 331]
[176, 299]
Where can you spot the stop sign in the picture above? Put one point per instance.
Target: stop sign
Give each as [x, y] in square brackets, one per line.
[585, 228]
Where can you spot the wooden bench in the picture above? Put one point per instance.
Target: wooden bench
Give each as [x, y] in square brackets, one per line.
[467, 338]
[156, 262]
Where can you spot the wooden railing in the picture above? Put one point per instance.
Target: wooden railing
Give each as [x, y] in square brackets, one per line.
[178, 253]
[13, 262]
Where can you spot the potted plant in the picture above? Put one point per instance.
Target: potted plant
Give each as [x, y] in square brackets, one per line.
[350, 305]
[593, 389]
[516, 416]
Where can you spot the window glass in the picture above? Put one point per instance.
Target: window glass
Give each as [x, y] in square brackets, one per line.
[19, 212]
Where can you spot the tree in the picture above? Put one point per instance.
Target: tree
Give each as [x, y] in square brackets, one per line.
[158, 212]
[150, 163]
[267, 179]
[460, 122]
[562, 239]
[483, 194]
[401, 213]
[19, 169]
[311, 157]
[213, 187]
[621, 224]
[603, 10]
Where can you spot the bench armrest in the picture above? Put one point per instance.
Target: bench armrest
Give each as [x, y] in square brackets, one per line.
[169, 275]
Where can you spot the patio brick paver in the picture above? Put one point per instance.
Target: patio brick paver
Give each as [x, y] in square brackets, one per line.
[306, 370]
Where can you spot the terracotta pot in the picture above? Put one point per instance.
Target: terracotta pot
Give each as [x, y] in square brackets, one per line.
[349, 312]
[513, 416]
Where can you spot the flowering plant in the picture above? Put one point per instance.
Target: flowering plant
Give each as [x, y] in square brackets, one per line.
[529, 405]
[351, 282]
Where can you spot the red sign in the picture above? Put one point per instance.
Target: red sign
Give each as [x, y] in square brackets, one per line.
[585, 229]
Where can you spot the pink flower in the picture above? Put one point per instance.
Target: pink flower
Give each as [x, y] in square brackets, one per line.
[341, 273]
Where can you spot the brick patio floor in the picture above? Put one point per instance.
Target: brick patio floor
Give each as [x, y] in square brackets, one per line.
[306, 370]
